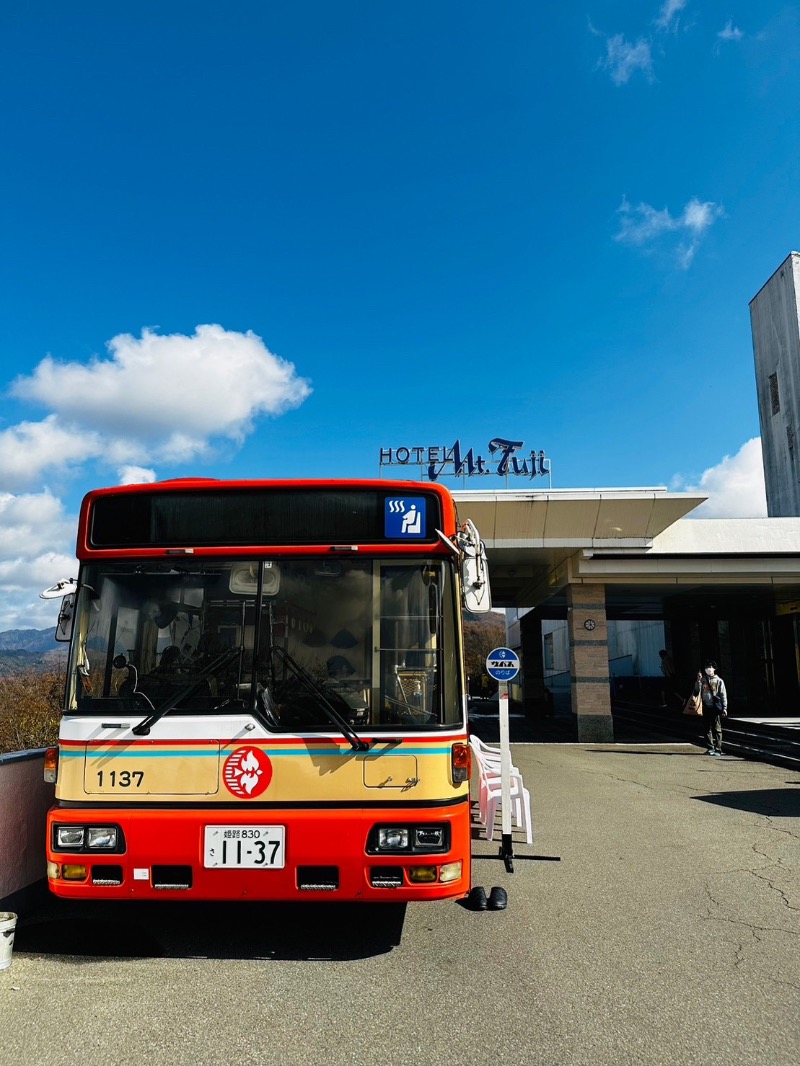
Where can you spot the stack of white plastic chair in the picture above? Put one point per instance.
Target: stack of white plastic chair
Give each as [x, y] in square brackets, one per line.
[491, 791]
[488, 760]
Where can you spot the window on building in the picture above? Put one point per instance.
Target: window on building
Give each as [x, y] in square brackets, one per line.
[549, 657]
[774, 395]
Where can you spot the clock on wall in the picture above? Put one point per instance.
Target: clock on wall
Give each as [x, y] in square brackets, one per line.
[589, 624]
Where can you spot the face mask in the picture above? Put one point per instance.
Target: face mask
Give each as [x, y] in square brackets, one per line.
[710, 671]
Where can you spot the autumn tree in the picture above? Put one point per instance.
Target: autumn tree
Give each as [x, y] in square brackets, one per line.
[30, 708]
[482, 633]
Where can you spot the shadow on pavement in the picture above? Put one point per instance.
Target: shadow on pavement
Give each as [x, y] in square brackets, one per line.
[650, 754]
[775, 802]
[281, 931]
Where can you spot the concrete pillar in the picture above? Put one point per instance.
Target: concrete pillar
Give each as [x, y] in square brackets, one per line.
[588, 655]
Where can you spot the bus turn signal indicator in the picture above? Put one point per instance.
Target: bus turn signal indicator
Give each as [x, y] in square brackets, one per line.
[461, 763]
[51, 765]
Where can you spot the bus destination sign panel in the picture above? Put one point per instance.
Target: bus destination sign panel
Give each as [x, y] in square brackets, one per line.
[252, 516]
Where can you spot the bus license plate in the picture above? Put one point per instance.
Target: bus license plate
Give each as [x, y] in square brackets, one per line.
[257, 847]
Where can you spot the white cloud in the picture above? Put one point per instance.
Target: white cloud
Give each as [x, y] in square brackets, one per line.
[698, 216]
[624, 58]
[644, 226]
[31, 447]
[136, 475]
[643, 223]
[158, 397]
[730, 32]
[27, 521]
[668, 15]
[735, 486]
[37, 545]
[171, 393]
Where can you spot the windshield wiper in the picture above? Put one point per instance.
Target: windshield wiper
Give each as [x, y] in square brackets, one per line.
[327, 708]
[143, 728]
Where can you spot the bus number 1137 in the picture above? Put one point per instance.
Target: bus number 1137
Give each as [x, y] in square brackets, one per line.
[120, 778]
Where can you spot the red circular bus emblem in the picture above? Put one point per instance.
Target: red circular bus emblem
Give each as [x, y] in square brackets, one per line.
[247, 772]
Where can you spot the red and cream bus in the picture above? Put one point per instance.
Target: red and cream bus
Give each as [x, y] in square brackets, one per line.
[265, 696]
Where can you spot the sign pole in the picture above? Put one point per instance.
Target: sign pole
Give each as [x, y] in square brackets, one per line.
[503, 665]
[507, 844]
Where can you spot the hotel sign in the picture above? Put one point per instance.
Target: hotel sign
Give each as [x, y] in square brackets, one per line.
[506, 459]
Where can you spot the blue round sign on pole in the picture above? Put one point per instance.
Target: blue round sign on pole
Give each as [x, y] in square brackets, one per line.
[502, 664]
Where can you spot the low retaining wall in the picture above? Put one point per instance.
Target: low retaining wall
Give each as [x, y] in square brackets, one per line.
[24, 801]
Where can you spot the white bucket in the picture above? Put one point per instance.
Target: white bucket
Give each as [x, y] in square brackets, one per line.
[8, 923]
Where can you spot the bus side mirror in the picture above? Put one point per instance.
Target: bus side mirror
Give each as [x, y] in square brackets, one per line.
[66, 617]
[476, 595]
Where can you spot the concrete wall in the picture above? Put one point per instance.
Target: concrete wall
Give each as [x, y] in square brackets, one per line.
[24, 801]
[775, 323]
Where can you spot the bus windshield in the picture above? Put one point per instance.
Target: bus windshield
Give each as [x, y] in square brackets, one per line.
[375, 639]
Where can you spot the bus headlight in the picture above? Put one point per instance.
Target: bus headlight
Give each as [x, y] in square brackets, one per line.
[451, 871]
[70, 836]
[101, 837]
[88, 838]
[392, 838]
[429, 836]
[411, 839]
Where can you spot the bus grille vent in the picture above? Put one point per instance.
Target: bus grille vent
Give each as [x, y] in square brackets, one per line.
[318, 878]
[386, 876]
[107, 874]
[172, 877]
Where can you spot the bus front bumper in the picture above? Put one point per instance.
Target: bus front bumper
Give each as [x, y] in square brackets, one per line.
[419, 853]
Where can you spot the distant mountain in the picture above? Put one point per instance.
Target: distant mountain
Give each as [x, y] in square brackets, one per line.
[28, 639]
[30, 649]
[485, 618]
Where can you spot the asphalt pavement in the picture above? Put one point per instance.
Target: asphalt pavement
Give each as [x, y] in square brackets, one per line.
[655, 919]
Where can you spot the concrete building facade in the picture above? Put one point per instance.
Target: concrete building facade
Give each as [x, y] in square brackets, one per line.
[599, 560]
[775, 323]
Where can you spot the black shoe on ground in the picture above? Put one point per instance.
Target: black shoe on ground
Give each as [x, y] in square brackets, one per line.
[498, 899]
[477, 899]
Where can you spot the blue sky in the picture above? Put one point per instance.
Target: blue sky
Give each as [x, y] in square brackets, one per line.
[266, 239]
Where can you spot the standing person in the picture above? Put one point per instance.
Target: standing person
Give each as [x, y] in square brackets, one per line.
[715, 704]
[668, 672]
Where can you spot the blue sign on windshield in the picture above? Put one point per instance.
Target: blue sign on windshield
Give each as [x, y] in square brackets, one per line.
[405, 517]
